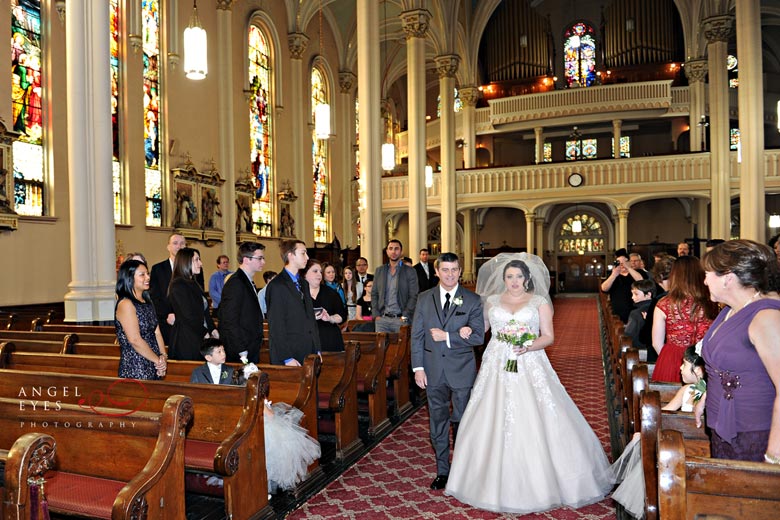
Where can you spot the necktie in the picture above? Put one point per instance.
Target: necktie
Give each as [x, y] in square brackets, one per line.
[446, 302]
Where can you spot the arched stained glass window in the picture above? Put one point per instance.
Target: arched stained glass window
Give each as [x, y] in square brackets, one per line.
[589, 240]
[116, 168]
[150, 12]
[457, 104]
[260, 129]
[579, 51]
[320, 165]
[26, 106]
[581, 149]
[625, 146]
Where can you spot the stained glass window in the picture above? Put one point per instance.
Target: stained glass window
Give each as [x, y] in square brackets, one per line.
[150, 12]
[581, 149]
[26, 106]
[320, 164]
[457, 104]
[116, 169]
[579, 51]
[733, 71]
[625, 146]
[547, 152]
[734, 139]
[260, 129]
[590, 239]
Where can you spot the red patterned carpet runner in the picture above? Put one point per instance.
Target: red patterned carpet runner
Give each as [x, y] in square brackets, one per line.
[391, 482]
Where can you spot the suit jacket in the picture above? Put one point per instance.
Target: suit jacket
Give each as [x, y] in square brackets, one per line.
[407, 290]
[457, 362]
[369, 277]
[425, 281]
[158, 288]
[203, 375]
[292, 328]
[187, 301]
[240, 318]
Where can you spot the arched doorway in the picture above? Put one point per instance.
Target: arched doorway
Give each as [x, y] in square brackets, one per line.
[581, 244]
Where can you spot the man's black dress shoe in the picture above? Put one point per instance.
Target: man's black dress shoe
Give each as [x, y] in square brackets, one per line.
[440, 482]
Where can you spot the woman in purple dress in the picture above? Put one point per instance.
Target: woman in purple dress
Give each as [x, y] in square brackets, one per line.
[142, 351]
[742, 353]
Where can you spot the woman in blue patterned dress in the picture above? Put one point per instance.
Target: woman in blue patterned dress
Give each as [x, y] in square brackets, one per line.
[142, 350]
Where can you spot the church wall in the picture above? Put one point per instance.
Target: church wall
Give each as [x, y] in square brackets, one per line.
[661, 220]
[503, 226]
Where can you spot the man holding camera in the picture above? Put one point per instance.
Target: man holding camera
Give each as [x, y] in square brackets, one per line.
[618, 285]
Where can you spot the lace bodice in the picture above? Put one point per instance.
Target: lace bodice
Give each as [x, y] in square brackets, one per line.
[498, 316]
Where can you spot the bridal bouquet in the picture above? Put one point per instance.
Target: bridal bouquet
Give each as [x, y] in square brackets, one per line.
[249, 368]
[514, 334]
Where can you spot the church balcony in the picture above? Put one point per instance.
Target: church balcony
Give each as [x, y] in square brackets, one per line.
[619, 182]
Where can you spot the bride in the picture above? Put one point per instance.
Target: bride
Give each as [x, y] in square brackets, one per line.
[523, 446]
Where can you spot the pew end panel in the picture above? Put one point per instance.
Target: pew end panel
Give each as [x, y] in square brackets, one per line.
[337, 396]
[30, 457]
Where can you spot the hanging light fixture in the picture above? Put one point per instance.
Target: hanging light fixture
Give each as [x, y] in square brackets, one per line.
[388, 156]
[195, 47]
[322, 110]
[576, 224]
[428, 176]
[774, 221]
[388, 149]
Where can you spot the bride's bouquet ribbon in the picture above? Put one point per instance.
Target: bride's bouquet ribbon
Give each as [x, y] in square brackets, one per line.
[514, 334]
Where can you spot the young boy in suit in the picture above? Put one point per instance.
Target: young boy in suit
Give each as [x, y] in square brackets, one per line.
[213, 371]
[642, 292]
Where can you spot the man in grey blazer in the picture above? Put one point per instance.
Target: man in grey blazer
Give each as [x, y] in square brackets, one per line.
[394, 294]
[447, 325]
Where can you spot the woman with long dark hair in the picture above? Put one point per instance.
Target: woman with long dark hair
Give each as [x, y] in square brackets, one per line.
[193, 320]
[681, 318]
[142, 351]
[328, 308]
[352, 291]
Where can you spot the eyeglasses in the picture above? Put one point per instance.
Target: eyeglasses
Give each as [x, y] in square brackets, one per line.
[256, 257]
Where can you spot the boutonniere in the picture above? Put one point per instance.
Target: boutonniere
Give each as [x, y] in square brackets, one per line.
[224, 375]
[458, 300]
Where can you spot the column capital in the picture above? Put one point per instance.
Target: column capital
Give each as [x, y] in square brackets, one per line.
[447, 65]
[346, 81]
[622, 213]
[225, 5]
[415, 23]
[530, 217]
[718, 28]
[297, 43]
[617, 124]
[696, 70]
[469, 96]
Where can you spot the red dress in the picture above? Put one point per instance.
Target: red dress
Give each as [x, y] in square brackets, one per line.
[682, 331]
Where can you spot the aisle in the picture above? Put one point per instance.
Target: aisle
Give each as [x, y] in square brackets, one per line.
[391, 482]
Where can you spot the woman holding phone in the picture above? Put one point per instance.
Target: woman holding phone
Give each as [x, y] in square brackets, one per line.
[329, 310]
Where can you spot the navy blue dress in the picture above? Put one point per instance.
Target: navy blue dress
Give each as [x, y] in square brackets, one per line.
[133, 365]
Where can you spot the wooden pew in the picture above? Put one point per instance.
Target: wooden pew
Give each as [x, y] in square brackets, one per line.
[399, 365]
[29, 457]
[47, 362]
[69, 342]
[226, 436]
[79, 329]
[123, 464]
[337, 398]
[692, 487]
[372, 378]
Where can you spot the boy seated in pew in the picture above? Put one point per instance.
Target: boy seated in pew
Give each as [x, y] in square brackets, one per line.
[213, 371]
[642, 293]
[694, 385]
[289, 449]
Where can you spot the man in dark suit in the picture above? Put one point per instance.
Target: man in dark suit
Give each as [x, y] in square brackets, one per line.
[292, 327]
[447, 325]
[214, 371]
[361, 266]
[158, 285]
[240, 318]
[426, 277]
[394, 294]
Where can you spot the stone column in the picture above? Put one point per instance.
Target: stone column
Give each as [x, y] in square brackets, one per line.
[346, 128]
[226, 123]
[530, 228]
[447, 66]
[621, 233]
[539, 144]
[469, 97]
[617, 126]
[717, 31]
[415, 24]
[369, 88]
[696, 72]
[539, 249]
[702, 212]
[90, 296]
[297, 42]
[468, 245]
[751, 121]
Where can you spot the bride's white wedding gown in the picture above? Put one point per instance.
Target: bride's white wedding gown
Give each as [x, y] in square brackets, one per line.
[523, 446]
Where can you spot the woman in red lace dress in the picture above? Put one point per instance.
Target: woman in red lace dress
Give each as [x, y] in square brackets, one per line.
[681, 318]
